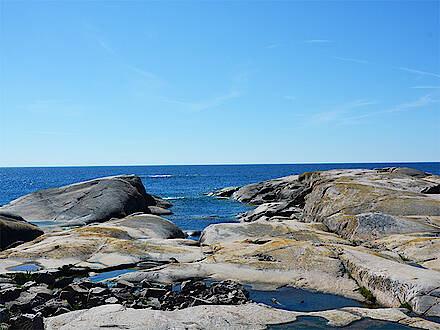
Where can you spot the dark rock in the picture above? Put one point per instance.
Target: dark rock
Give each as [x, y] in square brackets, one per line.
[82, 203]
[193, 233]
[9, 293]
[50, 307]
[192, 287]
[431, 190]
[154, 292]
[27, 300]
[158, 210]
[63, 282]
[13, 231]
[4, 315]
[121, 293]
[153, 303]
[27, 322]
[160, 202]
[45, 277]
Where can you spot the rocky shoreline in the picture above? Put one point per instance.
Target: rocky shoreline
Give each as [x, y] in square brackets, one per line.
[368, 235]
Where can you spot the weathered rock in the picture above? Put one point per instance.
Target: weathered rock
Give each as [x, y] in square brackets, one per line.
[15, 229]
[224, 193]
[127, 241]
[421, 249]
[278, 190]
[29, 299]
[266, 211]
[247, 316]
[158, 210]
[91, 201]
[392, 283]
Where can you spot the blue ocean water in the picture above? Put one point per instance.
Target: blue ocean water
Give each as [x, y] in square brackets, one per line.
[184, 185]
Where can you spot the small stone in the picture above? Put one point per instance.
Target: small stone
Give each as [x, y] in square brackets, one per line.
[46, 278]
[111, 300]
[4, 315]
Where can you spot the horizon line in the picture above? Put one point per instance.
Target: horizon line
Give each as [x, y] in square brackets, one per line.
[222, 164]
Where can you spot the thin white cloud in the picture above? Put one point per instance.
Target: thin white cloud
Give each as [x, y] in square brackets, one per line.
[423, 73]
[337, 113]
[196, 106]
[91, 33]
[289, 98]
[426, 87]
[354, 60]
[318, 41]
[271, 46]
[408, 106]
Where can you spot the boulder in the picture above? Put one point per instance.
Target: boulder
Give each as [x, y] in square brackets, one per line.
[15, 229]
[81, 203]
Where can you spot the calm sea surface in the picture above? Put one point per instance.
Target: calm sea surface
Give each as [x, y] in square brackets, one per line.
[184, 186]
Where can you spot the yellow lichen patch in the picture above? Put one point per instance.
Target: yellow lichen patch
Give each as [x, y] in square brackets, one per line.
[102, 232]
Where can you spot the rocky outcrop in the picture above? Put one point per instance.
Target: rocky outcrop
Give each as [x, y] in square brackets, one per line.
[394, 213]
[133, 239]
[248, 316]
[15, 230]
[81, 203]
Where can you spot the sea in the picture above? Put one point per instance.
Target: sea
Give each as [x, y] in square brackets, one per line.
[185, 186]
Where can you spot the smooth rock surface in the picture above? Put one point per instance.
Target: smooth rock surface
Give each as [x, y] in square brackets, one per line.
[126, 241]
[81, 203]
[248, 316]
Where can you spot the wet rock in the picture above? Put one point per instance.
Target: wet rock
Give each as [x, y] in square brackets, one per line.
[158, 210]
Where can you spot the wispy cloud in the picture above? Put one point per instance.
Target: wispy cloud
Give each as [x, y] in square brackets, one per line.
[354, 60]
[337, 114]
[92, 33]
[196, 106]
[271, 46]
[423, 73]
[289, 98]
[318, 41]
[408, 106]
[51, 133]
[426, 87]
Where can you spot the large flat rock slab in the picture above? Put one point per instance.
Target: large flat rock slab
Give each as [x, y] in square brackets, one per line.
[248, 316]
[81, 203]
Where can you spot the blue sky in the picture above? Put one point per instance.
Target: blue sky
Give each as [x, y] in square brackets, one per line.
[102, 83]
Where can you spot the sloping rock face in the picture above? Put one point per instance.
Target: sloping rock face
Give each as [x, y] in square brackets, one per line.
[81, 203]
[127, 241]
[248, 316]
[15, 230]
[393, 213]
